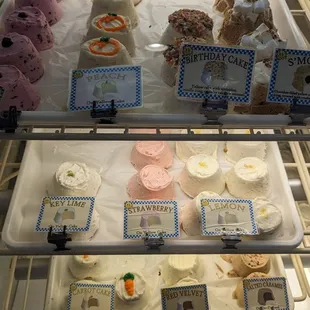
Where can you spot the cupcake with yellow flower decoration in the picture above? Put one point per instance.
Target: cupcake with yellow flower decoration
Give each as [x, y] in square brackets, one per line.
[186, 149]
[248, 179]
[202, 173]
[268, 217]
[132, 289]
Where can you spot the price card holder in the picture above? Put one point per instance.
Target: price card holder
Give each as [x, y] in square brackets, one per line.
[228, 217]
[290, 77]
[84, 295]
[266, 294]
[215, 73]
[151, 219]
[185, 297]
[1, 93]
[120, 84]
[73, 213]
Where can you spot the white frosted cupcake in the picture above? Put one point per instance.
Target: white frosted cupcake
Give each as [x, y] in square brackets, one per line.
[121, 7]
[178, 267]
[103, 52]
[191, 214]
[115, 26]
[236, 150]
[132, 291]
[202, 173]
[248, 179]
[93, 227]
[186, 149]
[87, 266]
[76, 179]
[187, 282]
[268, 216]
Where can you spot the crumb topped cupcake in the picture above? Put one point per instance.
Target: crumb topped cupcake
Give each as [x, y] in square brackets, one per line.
[186, 22]
[172, 55]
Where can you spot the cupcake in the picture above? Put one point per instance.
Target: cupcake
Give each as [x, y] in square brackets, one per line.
[31, 22]
[186, 22]
[151, 182]
[172, 54]
[103, 52]
[17, 89]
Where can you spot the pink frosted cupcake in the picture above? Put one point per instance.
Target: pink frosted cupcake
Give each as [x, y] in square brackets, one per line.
[50, 8]
[151, 153]
[17, 50]
[152, 182]
[31, 22]
[18, 91]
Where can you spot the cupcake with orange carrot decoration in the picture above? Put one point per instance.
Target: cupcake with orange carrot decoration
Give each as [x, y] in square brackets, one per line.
[131, 288]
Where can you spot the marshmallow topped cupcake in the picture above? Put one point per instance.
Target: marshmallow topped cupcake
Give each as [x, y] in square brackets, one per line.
[248, 179]
[151, 182]
[151, 153]
[191, 214]
[87, 266]
[115, 26]
[186, 22]
[76, 179]
[202, 173]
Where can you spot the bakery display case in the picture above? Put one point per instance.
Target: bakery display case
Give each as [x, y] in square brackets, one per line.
[121, 187]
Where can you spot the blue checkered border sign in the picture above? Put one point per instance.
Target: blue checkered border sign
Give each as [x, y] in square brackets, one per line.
[176, 233]
[181, 288]
[38, 227]
[81, 284]
[122, 69]
[213, 96]
[284, 98]
[245, 291]
[206, 232]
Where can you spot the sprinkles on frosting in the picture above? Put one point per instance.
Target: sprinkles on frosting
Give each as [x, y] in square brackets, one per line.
[191, 23]
[172, 54]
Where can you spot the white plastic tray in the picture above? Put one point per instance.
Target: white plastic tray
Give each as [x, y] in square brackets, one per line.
[112, 161]
[220, 287]
[153, 14]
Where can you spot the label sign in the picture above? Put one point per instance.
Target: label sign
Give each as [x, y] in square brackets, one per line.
[123, 84]
[227, 217]
[58, 211]
[290, 77]
[84, 295]
[151, 216]
[185, 297]
[214, 72]
[266, 294]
